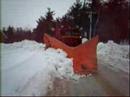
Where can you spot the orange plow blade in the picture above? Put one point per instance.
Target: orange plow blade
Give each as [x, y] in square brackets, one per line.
[84, 56]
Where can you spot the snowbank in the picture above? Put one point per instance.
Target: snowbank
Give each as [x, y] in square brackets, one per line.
[29, 69]
[25, 44]
[113, 65]
[115, 56]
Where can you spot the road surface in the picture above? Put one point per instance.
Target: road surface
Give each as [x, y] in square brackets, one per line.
[105, 83]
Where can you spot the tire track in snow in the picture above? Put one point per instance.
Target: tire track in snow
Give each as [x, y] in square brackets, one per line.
[9, 78]
[19, 63]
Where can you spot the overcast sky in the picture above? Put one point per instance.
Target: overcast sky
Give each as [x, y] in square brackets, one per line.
[24, 13]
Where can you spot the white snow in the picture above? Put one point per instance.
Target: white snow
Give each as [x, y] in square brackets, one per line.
[114, 56]
[113, 65]
[28, 69]
[84, 40]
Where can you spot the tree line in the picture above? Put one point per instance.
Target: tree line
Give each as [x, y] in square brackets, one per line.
[86, 19]
[11, 34]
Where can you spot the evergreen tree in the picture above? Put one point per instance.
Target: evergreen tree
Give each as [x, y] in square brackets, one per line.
[79, 14]
[113, 22]
[44, 25]
[10, 34]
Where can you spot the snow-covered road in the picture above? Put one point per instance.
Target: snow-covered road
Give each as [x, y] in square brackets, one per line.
[30, 69]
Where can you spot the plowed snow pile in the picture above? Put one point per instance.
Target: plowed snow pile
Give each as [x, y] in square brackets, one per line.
[114, 56]
[113, 65]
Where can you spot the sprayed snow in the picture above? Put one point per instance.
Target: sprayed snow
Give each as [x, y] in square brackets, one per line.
[114, 56]
[29, 69]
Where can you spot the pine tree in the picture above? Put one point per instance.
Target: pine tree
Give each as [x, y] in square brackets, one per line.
[113, 22]
[79, 13]
[10, 34]
[44, 25]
